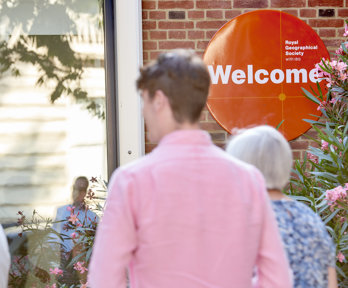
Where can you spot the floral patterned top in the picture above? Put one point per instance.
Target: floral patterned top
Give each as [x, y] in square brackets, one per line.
[308, 245]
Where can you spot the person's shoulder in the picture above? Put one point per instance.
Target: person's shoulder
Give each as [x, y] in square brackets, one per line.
[63, 208]
[305, 213]
[139, 166]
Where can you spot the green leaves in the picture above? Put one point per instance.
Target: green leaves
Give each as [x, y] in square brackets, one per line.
[327, 166]
[310, 96]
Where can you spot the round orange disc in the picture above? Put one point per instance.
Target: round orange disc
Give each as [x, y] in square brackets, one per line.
[258, 63]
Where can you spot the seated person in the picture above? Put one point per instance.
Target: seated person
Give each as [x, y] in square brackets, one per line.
[72, 216]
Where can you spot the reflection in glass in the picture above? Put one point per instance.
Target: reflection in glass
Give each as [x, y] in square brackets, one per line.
[52, 126]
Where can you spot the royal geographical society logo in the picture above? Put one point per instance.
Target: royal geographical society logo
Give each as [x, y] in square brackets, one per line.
[258, 63]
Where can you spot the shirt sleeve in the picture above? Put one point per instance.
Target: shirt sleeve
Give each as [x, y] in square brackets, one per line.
[116, 236]
[272, 264]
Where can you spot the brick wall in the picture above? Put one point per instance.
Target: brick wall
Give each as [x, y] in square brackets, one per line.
[191, 24]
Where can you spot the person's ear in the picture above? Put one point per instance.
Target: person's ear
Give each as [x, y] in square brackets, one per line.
[160, 100]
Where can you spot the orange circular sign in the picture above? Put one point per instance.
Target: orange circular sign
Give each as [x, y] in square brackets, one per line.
[258, 63]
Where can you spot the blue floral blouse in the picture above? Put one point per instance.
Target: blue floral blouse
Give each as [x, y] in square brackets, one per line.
[308, 245]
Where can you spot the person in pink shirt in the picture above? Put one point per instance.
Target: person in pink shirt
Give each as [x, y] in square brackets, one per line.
[186, 215]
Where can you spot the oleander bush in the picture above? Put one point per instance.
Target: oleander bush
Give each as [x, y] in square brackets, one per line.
[321, 179]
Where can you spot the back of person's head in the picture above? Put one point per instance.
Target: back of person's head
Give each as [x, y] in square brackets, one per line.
[80, 188]
[268, 150]
[183, 77]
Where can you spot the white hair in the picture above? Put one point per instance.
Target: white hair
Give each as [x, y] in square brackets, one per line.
[266, 149]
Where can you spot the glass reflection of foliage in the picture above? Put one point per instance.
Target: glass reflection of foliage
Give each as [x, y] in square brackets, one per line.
[60, 68]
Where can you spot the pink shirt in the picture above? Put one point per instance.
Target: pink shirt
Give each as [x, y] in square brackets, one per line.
[188, 215]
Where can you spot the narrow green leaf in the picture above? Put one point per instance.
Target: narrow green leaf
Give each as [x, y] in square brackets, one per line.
[281, 122]
[310, 96]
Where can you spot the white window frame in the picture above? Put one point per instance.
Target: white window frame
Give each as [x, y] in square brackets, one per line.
[128, 45]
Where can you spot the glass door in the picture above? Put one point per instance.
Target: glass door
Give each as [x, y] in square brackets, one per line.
[52, 104]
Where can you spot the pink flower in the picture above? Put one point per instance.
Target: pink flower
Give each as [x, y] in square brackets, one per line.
[340, 257]
[74, 235]
[53, 286]
[312, 157]
[338, 193]
[73, 218]
[345, 30]
[339, 51]
[324, 145]
[79, 267]
[70, 208]
[56, 271]
[322, 105]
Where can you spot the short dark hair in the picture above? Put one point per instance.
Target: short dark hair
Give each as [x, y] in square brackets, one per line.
[183, 77]
[80, 186]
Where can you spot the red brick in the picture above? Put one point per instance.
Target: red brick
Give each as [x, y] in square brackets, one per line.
[299, 145]
[147, 25]
[327, 32]
[177, 34]
[250, 4]
[145, 15]
[195, 34]
[329, 3]
[214, 4]
[218, 136]
[326, 22]
[232, 13]
[340, 32]
[343, 12]
[332, 42]
[210, 126]
[296, 155]
[175, 25]
[216, 14]
[209, 24]
[145, 56]
[202, 45]
[210, 34]
[308, 13]
[148, 5]
[287, 3]
[176, 44]
[158, 35]
[210, 117]
[145, 35]
[154, 54]
[195, 14]
[293, 12]
[312, 133]
[175, 4]
[149, 45]
[200, 54]
[157, 15]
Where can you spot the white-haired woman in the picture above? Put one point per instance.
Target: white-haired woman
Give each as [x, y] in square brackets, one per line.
[310, 249]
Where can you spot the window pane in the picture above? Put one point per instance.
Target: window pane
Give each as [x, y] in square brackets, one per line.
[52, 94]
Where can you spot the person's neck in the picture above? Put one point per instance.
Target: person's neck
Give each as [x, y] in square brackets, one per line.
[276, 194]
[175, 126]
[186, 126]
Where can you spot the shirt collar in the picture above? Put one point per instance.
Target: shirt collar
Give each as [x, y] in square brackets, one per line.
[186, 137]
